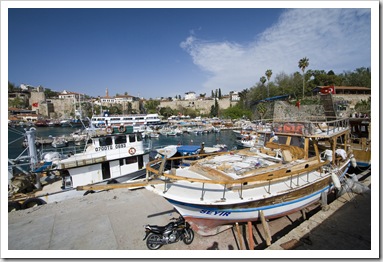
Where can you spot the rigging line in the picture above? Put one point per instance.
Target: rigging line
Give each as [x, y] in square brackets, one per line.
[15, 130]
[15, 140]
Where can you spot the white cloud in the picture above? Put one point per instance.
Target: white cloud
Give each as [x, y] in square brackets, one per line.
[332, 39]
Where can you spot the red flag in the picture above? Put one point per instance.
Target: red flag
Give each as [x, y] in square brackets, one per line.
[328, 90]
[35, 104]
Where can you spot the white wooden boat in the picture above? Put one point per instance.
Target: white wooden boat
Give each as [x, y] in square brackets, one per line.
[277, 179]
[59, 142]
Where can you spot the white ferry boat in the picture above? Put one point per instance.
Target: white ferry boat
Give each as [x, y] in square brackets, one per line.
[126, 120]
[110, 158]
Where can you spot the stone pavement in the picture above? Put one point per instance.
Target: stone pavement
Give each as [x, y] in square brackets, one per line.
[111, 224]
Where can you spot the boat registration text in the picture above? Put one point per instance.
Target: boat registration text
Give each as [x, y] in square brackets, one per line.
[103, 148]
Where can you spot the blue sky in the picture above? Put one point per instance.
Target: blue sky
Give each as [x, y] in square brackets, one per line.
[152, 52]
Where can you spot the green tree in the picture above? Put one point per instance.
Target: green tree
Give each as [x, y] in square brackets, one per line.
[214, 110]
[359, 77]
[236, 112]
[303, 64]
[16, 102]
[50, 94]
[364, 106]
[151, 106]
[166, 111]
[262, 80]
[11, 87]
[261, 108]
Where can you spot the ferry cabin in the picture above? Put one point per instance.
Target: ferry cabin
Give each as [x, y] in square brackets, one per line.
[117, 156]
[139, 119]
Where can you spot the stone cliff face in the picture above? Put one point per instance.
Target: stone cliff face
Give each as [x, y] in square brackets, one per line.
[284, 110]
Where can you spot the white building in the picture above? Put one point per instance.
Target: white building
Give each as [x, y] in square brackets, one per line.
[190, 96]
[70, 95]
[235, 96]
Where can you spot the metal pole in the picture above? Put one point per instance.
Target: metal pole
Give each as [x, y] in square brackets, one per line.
[31, 138]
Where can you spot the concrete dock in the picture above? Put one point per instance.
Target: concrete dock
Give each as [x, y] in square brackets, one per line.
[111, 224]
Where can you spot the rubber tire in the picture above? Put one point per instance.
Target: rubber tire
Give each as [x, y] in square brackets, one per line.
[89, 192]
[13, 206]
[153, 237]
[112, 181]
[32, 202]
[189, 240]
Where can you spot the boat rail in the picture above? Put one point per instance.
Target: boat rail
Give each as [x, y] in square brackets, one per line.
[311, 128]
[266, 177]
[65, 151]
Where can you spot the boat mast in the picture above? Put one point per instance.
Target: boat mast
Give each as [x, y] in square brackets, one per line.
[31, 138]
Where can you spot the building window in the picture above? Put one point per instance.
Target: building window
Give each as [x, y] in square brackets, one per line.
[120, 140]
[131, 160]
[105, 141]
[132, 138]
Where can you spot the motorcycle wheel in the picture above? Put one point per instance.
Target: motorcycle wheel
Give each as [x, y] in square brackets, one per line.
[188, 239]
[153, 238]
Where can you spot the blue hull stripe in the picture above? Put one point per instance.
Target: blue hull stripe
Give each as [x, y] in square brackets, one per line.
[206, 207]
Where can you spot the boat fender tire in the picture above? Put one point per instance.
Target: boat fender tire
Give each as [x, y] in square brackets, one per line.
[121, 129]
[89, 192]
[32, 202]
[132, 150]
[13, 206]
[109, 130]
[112, 181]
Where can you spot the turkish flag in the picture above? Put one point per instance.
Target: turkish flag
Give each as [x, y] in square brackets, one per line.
[328, 90]
[35, 104]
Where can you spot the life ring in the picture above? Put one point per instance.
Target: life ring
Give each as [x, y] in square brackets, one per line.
[132, 151]
[122, 129]
[109, 130]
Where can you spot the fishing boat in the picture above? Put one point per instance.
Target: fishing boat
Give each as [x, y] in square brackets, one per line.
[59, 142]
[115, 155]
[282, 176]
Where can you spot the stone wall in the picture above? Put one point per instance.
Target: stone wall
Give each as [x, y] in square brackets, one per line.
[203, 106]
[284, 110]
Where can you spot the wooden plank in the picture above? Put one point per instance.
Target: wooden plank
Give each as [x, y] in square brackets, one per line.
[251, 241]
[210, 173]
[288, 141]
[306, 147]
[265, 228]
[317, 154]
[114, 186]
[239, 236]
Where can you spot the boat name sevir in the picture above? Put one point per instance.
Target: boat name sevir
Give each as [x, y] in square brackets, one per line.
[215, 213]
[102, 148]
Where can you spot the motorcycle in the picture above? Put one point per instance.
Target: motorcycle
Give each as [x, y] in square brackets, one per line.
[157, 236]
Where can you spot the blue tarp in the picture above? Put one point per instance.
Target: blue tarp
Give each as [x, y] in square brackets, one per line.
[276, 98]
[187, 149]
[43, 167]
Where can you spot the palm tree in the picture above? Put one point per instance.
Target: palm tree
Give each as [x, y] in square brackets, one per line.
[263, 80]
[268, 75]
[303, 63]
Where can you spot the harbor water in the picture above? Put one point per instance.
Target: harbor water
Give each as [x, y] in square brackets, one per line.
[16, 137]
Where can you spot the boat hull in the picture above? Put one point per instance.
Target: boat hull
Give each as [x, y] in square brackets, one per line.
[209, 220]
